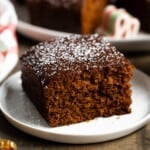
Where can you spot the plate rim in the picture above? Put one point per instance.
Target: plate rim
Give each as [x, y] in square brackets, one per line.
[23, 26]
[20, 125]
[36, 33]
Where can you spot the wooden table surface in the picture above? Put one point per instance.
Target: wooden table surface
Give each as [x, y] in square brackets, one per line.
[139, 140]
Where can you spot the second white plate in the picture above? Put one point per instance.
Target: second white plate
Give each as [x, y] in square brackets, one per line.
[20, 112]
[139, 43]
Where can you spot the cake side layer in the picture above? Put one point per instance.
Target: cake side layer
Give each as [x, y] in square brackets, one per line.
[72, 98]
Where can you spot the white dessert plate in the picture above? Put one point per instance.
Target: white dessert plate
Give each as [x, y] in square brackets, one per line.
[21, 113]
[8, 65]
[139, 43]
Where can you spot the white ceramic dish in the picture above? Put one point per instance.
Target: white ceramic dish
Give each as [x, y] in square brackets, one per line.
[8, 65]
[22, 114]
[139, 43]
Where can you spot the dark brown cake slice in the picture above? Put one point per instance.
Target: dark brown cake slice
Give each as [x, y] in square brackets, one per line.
[77, 78]
[74, 16]
[61, 15]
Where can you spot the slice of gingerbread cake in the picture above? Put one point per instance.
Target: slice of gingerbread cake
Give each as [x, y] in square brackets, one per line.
[77, 78]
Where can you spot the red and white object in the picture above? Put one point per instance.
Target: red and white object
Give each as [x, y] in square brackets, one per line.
[118, 23]
[8, 41]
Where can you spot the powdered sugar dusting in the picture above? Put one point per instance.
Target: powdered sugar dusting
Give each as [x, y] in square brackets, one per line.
[73, 53]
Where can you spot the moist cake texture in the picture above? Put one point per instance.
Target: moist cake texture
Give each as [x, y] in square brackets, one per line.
[77, 78]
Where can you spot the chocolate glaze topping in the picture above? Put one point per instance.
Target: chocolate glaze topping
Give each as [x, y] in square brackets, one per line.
[68, 4]
[74, 53]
